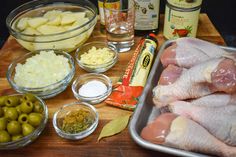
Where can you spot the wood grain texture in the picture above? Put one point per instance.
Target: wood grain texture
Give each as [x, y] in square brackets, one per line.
[50, 145]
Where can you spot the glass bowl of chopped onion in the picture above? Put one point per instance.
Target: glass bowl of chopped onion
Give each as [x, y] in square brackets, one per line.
[55, 24]
[76, 120]
[92, 88]
[44, 73]
[96, 57]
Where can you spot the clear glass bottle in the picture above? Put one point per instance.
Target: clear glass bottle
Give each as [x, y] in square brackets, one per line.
[110, 4]
[146, 16]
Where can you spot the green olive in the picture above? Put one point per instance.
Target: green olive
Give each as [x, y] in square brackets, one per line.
[14, 127]
[38, 107]
[4, 136]
[26, 107]
[29, 97]
[27, 129]
[16, 137]
[11, 101]
[11, 113]
[35, 119]
[2, 100]
[18, 109]
[23, 118]
[3, 123]
[1, 112]
[4, 110]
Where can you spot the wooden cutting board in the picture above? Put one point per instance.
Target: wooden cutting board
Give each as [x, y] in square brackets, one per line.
[49, 144]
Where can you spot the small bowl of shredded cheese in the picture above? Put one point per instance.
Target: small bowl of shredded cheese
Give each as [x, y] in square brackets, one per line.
[96, 57]
[44, 73]
[92, 88]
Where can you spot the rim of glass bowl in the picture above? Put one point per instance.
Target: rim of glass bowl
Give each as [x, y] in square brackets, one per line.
[94, 76]
[31, 5]
[31, 137]
[68, 77]
[81, 134]
[104, 65]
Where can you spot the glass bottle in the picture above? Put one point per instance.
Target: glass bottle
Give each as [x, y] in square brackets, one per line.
[146, 16]
[109, 4]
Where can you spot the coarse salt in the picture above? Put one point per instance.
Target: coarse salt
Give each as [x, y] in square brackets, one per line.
[92, 88]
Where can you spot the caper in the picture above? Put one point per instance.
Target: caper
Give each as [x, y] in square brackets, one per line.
[12, 101]
[23, 118]
[14, 128]
[26, 107]
[4, 136]
[11, 113]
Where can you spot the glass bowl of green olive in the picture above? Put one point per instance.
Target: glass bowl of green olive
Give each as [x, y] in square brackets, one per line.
[22, 119]
[76, 120]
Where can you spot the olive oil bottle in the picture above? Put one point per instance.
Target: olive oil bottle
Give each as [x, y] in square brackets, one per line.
[146, 16]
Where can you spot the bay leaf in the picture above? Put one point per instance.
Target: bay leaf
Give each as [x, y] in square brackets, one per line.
[114, 127]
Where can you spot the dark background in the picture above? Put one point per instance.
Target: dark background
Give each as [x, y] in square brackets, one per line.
[221, 12]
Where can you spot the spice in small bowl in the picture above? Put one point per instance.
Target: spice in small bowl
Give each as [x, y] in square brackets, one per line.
[92, 88]
[75, 121]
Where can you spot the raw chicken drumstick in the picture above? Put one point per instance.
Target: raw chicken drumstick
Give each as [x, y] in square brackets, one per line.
[170, 74]
[179, 132]
[219, 121]
[203, 79]
[187, 52]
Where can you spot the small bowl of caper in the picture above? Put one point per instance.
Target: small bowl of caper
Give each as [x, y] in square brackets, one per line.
[22, 119]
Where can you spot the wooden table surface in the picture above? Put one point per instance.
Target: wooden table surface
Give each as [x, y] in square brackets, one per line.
[49, 144]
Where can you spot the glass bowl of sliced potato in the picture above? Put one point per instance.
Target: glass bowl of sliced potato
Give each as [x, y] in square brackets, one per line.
[55, 24]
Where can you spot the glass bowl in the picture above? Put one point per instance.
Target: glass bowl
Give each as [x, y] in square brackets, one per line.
[52, 37]
[31, 137]
[59, 116]
[46, 91]
[98, 67]
[84, 79]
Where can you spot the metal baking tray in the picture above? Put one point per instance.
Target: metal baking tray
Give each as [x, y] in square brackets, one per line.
[146, 110]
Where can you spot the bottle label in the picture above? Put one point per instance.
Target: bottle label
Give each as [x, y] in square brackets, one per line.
[146, 14]
[185, 3]
[180, 23]
[110, 5]
[101, 12]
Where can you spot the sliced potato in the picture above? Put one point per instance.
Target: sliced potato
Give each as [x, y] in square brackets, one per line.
[37, 21]
[79, 15]
[48, 29]
[68, 18]
[76, 24]
[31, 31]
[52, 13]
[22, 23]
[54, 21]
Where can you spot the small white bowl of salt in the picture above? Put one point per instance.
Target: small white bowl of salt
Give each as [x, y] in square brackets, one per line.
[92, 88]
